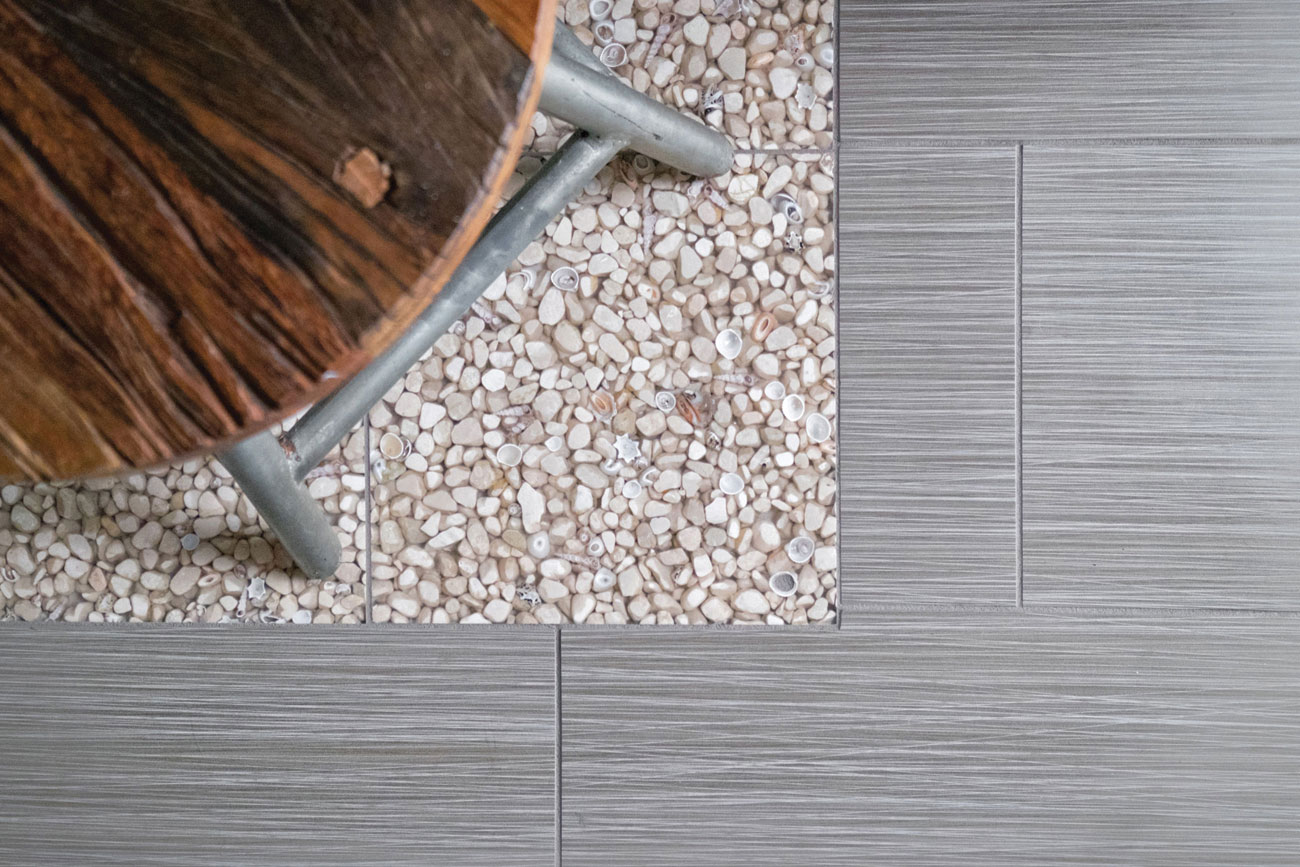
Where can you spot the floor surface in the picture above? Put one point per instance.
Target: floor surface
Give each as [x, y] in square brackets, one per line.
[1070, 483]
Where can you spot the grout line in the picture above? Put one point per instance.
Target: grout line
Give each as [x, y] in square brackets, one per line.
[1066, 609]
[559, 756]
[370, 524]
[1019, 378]
[1082, 141]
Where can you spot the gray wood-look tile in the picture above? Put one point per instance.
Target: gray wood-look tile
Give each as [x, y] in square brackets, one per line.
[1161, 376]
[927, 359]
[1065, 68]
[274, 746]
[971, 739]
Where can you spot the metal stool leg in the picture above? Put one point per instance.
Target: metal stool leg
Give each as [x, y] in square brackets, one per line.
[577, 88]
[258, 465]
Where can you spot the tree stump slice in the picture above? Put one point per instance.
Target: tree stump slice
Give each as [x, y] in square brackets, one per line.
[212, 212]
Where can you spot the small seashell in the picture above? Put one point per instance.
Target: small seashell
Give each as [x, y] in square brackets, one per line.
[555, 443]
[526, 277]
[602, 404]
[731, 484]
[599, 10]
[611, 466]
[268, 617]
[786, 204]
[257, 589]
[804, 61]
[820, 289]
[301, 617]
[509, 455]
[513, 510]
[792, 407]
[819, 428]
[783, 584]
[565, 279]
[596, 547]
[539, 545]
[665, 401]
[649, 476]
[394, 447]
[189, 541]
[764, 325]
[642, 163]
[774, 390]
[604, 32]
[799, 549]
[631, 489]
[729, 343]
[695, 408]
[613, 55]
[627, 448]
[604, 579]
[208, 580]
[528, 595]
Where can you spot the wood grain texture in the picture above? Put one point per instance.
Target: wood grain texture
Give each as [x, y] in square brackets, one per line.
[1063, 68]
[970, 739]
[183, 261]
[526, 22]
[927, 349]
[276, 746]
[1161, 371]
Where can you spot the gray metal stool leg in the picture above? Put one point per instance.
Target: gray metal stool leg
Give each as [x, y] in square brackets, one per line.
[577, 88]
[258, 465]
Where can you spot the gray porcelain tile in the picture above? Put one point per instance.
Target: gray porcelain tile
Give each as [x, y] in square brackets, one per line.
[973, 739]
[928, 365]
[1161, 376]
[193, 746]
[1112, 68]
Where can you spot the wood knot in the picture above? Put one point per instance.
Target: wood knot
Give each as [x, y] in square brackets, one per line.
[362, 173]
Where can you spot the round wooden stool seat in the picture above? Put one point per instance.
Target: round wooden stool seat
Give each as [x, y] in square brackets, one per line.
[214, 211]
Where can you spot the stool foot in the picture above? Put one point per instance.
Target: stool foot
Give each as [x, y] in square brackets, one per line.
[258, 464]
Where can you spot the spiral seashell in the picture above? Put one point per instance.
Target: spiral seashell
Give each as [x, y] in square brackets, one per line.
[613, 55]
[785, 204]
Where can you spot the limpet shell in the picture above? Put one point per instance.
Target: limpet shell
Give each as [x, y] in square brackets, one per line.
[613, 55]
[604, 579]
[555, 443]
[603, 31]
[394, 447]
[792, 407]
[774, 390]
[764, 325]
[596, 547]
[804, 61]
[819, 428]
[509, 455]
[599, 10]
[799, 549]
[602, 404]
[783, 584]
[731, 484]
[631, 489]
[539, 545]
[665, 401]
[565, 278]
[729, 343]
